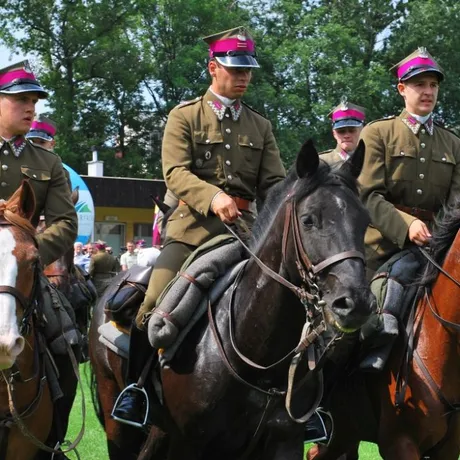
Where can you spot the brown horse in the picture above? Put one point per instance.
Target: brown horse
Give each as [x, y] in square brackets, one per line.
[415, 404]
[108, 379]
[24, 394]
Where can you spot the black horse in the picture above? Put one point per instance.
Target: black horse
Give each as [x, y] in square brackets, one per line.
[308, 276]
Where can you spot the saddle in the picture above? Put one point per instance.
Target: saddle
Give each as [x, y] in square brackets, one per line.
[125, 294]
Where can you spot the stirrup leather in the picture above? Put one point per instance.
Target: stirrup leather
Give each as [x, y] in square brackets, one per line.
[132, 388]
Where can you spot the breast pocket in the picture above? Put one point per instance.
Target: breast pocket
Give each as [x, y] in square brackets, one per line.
[207, 146]
[402, 163]
[442, 168]
[251, 149]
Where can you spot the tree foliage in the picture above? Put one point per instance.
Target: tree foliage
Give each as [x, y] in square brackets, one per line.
[116, 68]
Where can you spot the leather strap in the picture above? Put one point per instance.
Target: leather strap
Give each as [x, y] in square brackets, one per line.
[419, 213]
[241, 203]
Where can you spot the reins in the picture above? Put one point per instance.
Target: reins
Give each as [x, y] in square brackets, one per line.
[310, 297]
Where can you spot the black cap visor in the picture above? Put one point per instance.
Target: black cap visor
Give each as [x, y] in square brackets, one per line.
[418, 70]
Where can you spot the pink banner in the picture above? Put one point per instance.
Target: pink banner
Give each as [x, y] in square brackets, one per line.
[348, 114]
[8, 77]
[416, 62]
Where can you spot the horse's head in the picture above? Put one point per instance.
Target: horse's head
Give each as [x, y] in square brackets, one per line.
[331, 223]
[18, 271]
[322, 223]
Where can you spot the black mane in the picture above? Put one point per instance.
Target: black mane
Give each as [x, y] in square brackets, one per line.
[300, 188]
[445, 230]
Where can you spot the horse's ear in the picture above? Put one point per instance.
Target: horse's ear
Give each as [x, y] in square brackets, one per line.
[26, 200]
[75, 194]
[163, 207]
[354, 164]
[307, 161]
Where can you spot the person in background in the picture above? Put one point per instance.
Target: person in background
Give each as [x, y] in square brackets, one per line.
[102, 268]
[347, 123]
[42, 132]
[79, 258]
[129, 258]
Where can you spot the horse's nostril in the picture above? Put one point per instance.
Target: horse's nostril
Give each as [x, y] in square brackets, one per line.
[17, 346]
[344, 303]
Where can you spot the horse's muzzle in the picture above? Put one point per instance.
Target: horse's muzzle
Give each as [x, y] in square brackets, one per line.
[350, 312]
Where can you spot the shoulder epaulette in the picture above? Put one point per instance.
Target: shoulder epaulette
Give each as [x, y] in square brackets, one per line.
[326, 151]
[391, 117]
[40, 147]
[446, 129]
[187, 103]
[252, 109]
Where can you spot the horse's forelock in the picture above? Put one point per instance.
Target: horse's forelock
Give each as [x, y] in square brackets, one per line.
[299, 188]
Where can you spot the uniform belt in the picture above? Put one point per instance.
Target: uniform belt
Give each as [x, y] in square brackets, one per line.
[422, 214]
[241, 203]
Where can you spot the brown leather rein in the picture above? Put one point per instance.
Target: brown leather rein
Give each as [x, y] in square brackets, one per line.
[310, 296]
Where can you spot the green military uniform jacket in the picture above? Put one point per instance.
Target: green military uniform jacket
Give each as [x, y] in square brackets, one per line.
[406, 164]
[46, 175]
[103, 265]
[202, 155]
[332, 156]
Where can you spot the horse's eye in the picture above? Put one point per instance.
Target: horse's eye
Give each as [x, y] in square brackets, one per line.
[310, 221]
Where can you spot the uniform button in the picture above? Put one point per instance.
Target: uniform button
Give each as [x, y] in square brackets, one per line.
[229, 177]
[251, 144]
[444, 159]
[208, 141]
[227, 115]
[3, 184]
[227, 189]
[422, 176]
[401, 153]
[423, 131]
[5, 152]
[181, 215]
[228, 130]
[228, 162]
[227, 146]
[422, 160]
[5, 167]
[419, 191]
[422, 145]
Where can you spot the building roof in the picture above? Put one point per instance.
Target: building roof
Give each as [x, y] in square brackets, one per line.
[124, 192]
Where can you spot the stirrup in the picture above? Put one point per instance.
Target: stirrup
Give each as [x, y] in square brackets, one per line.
[325, 437]
[133, 387]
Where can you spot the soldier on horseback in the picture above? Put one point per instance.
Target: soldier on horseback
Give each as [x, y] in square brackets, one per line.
[347, 124]
[24, 160]
[218, 154]
[410, 169]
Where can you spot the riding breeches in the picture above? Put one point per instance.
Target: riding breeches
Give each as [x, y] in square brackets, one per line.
[169, 262]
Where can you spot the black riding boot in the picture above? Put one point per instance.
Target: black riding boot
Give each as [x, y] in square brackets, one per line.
[133, 404]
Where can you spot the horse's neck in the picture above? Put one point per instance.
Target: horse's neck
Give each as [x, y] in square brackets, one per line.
[267, 314]
[438, 344]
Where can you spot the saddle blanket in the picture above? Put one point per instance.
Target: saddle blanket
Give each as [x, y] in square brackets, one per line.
[183, 295]
[118, 341]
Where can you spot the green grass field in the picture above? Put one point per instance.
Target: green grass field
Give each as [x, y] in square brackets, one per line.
[93, 444]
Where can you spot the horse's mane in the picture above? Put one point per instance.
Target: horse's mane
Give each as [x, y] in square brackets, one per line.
[9, 213]
[299, 188]
[446, 228]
